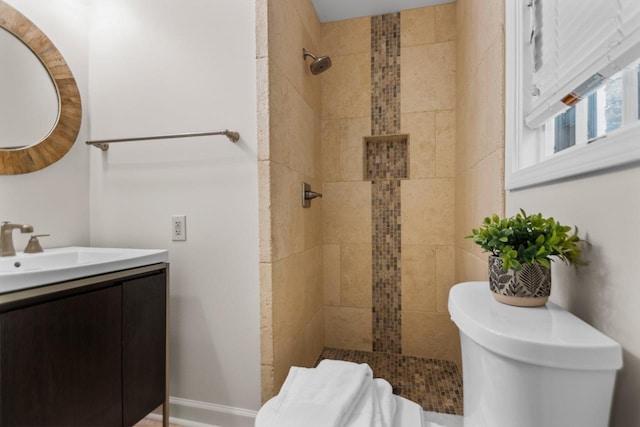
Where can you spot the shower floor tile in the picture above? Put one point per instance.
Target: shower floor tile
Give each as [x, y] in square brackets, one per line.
[436, 385]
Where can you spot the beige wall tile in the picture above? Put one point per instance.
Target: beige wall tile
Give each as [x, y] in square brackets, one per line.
[488, 187]
[266, 314]
[445, 275]
[314, 338]
[313, 282]
[285, 37]
[346, 88]
[356, 36]
[471, 268]
[355, 273]
[422, 143]
[348, 328]
[419, 278]
[330, 142]
[468, 213]
[290, 353]
[294, 130]
[304, 133]
[332, 274]
[352, 133]
[287, 220]
[266, 382]
[347, 212]
[309, 17]
[312, 216]
[481, 195]
[491, 72]
[438, 91]
[280, 109]
[289, 300]
[445, 22]
[479, 129]
[446, 144]
[347, 37]
[297, 293]
[264, 210]
[331, 38]
[297, 283]
[418, 26]
[427, 211]
[430, 335]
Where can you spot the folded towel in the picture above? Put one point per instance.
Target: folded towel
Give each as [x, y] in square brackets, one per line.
[322, 397]
[335, 394]
[376, 407]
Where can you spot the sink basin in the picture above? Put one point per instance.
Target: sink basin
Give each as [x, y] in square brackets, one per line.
[57, 265]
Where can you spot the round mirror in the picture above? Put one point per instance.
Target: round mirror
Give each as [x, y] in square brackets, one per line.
[40, 103]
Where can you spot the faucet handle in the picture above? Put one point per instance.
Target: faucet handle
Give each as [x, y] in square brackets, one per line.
[34, 244]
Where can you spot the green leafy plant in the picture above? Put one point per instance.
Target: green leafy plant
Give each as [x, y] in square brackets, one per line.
[527, 239]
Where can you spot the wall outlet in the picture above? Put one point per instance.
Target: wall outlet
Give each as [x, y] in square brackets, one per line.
[178, 227]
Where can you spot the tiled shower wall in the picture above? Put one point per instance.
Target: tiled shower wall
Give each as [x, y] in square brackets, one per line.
[423, 62]
[289, 152]
[480, 159]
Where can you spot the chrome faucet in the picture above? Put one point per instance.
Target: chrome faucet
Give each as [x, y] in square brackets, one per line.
[6, 236]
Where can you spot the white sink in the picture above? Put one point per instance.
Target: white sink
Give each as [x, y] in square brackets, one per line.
[57, 265]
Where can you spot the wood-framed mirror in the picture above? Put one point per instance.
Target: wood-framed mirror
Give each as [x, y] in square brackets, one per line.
[23, 158]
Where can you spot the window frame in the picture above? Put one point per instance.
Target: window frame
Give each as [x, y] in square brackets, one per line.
[617, 148]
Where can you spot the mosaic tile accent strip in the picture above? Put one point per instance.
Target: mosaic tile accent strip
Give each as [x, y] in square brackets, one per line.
[386, 163]
[436, 385]
[385, 74]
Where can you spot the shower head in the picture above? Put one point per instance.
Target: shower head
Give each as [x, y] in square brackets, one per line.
[319, 64]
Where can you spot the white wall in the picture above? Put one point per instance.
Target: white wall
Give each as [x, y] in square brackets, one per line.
[606, 209]
[169, 66]
[55, 200]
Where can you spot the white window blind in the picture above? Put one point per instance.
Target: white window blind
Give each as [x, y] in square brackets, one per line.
[576, 45]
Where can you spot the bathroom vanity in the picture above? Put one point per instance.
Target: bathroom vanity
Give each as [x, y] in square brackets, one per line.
[86, 351]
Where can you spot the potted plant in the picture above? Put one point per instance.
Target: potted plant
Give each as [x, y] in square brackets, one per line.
[522, 248]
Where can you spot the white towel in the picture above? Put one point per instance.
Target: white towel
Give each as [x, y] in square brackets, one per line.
[376, 407]
[335, 394]
[322, 397]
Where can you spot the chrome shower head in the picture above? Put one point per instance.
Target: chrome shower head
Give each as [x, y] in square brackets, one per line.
[319, 64]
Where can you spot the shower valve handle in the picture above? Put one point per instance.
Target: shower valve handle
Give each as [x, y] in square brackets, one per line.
[308, 195]
[311, 195]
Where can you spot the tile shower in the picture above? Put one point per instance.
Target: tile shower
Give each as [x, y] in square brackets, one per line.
[409, 249]
[385, 115]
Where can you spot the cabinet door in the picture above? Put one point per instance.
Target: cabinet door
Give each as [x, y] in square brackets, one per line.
[144, 302]
[60, 362]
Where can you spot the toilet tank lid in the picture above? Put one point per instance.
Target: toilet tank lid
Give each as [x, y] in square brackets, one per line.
[547, 336]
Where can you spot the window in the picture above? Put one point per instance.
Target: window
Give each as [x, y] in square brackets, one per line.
[573, 88]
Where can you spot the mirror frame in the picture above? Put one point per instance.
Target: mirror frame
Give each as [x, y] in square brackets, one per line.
[65, 131]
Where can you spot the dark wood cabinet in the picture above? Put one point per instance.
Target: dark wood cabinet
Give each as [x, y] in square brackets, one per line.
[143, 314]
[87, 355]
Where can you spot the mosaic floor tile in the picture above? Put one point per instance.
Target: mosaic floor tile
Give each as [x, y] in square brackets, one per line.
[436, 385]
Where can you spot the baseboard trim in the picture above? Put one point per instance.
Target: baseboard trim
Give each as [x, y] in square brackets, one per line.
[193, 413]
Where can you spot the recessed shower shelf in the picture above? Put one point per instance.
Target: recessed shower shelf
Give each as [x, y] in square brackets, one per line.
[103, 144]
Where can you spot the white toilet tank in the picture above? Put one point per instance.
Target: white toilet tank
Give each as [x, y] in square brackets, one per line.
[531, 367]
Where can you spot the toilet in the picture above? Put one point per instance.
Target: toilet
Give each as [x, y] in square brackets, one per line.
[531, 367]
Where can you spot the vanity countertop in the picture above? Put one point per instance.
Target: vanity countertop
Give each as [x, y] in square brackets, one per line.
[25, 271]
